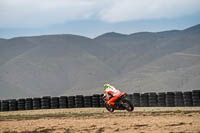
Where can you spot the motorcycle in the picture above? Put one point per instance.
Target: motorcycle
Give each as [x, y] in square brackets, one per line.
[120, 104]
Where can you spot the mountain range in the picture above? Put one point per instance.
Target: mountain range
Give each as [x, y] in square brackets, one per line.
[70, 64]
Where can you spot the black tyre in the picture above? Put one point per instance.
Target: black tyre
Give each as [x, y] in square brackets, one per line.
[54, 102]
[88, 101]
[144, 100]
[63, 102]
[4, 105]
[187, 97]
[36, 103]
[79, 101]
[179, 102]
[152, 98]
[161, 99]
[129, 97]
[12, 105]
[45, 102]
[101, 100]
[71, 102]
[28, 104]
[21, 104]
[96, 100]
[109, 108]
[170, 101]
[136, 99]
[196, 97]
[128, 105]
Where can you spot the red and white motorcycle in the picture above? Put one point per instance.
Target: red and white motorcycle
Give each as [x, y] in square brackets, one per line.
[122, 103]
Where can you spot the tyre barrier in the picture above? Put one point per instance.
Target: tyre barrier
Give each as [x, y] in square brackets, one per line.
[21, 104]
[130, 97]
[5, 105]
[96, 100]
[88, 101]
[151, 99]
[36, 103]
[71, 102]
[102, 104]
[170, 102]
[196, 97]
[79, 101]
[54, 103]
[28, 104]
[161, 99]
[136, 99]
[178, 99]
[187, 96]
[12, 105]
[45, 102]
[63, 102]
[144, 100]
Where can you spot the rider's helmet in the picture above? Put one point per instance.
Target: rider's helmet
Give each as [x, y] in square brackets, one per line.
[106, 86]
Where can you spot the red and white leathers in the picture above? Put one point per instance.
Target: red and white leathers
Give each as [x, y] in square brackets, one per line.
[112, 91]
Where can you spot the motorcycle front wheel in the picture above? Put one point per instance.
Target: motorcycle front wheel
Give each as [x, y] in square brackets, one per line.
[128, 105]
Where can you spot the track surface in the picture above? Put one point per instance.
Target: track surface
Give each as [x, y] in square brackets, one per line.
[97, 120]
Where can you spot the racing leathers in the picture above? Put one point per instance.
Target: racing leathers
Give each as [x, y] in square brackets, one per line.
[111, 94]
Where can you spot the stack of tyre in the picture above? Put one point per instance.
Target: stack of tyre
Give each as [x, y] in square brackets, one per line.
[88, 101]
[54, 102]
[21, 104]
[36, 103]
[161, 99]
[71, 102]
[170, 99]
[136, 99]
[28, 103]
[152, 98]
[187, 96]
[130, 97]
[102, 103]
[179, 102]
[63, 102]
[79, 101]
[96, 100]
[144, 100]
[12, 104]
[196, 97]
[45, 102]
[5, 105]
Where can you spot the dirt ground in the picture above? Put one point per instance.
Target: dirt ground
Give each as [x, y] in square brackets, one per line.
[97, 120]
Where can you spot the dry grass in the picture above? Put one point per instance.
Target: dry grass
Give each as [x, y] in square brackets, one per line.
[97, 120]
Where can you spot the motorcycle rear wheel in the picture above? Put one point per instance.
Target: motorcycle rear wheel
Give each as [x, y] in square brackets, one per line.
[109, 108]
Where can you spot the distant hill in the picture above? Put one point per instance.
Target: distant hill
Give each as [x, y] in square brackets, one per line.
[70, 64]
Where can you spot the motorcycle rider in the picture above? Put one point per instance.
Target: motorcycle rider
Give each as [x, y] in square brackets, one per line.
[111, 94]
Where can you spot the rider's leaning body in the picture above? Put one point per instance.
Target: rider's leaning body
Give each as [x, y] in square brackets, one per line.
[110, 91]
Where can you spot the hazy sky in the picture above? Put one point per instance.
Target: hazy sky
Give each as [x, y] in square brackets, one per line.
[93, 17]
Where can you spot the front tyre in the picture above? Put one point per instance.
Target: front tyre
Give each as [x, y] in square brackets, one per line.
[128, 105]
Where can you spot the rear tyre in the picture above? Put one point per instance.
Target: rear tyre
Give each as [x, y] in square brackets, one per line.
[109, 108]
